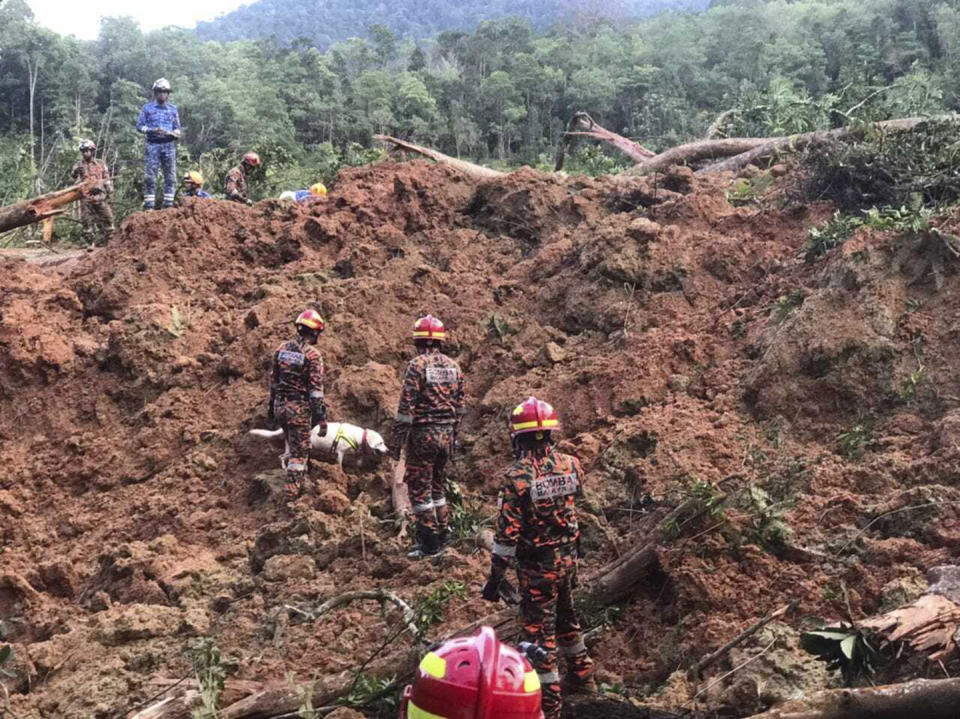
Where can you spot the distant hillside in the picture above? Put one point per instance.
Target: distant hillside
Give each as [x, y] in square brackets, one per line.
[330, 21]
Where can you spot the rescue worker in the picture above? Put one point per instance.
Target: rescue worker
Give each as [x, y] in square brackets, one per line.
[477, 677]
[95, 211]
[296, 396]
[193, 185]
[537, 528]
[160, 123]
[431, 405]
[316, 191]
[235, 185]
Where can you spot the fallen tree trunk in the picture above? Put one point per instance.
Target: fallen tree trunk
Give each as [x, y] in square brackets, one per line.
[929, 699]
[39, 208]
[776, 145]
[478, 172]
[582, 125]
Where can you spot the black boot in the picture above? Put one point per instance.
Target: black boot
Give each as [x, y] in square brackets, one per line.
[428, 544]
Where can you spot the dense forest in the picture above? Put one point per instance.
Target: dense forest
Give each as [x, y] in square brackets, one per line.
[331, 21]
[500, 94]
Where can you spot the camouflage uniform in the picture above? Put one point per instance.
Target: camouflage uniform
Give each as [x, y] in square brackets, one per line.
[236, 185]
[95, 211]
[431, 404]
[296, 386]
[537, 525]
[160, 123]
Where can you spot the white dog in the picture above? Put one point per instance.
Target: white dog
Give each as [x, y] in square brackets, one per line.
[340, 439]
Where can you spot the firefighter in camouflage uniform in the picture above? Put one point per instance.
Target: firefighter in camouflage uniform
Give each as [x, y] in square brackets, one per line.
[431, 405]
[235, 184]
[537, 529]
[296, 396]
[95, 211]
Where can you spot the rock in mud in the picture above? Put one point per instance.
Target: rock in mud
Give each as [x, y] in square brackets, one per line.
[283, 567]
[122, 624]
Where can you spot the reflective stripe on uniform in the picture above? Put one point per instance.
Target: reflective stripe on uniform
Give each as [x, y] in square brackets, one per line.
[293, 466]
[423, 508]
[573, 649]
[405, 418]
[505, 550]
[549, 677]
[415, 712]
[316, 394]
[442, 502]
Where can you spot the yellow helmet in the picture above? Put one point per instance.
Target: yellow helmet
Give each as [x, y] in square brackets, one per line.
[318, 189]
[194, 178]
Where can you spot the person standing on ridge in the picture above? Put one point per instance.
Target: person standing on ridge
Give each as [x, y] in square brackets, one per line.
[160, 123]
[235, 185]
[296, 396]
[431, 405]
[193, 185]
[95, 211]
[537, 528]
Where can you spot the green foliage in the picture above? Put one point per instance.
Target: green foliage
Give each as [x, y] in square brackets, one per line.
[843, 648]
[912, 383]
[702, 499]
[466, 514]
[833, 233]
[785, 305]
[768, 526]
[853, 443]
[211, 673]
[908, 169]
[746, 191]
[374, 694]
[6, 655]
[431, 608]
[909, 220]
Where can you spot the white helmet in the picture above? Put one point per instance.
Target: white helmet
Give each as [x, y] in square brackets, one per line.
[162, 84]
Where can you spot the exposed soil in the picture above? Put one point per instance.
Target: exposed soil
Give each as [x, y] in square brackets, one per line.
[135, 513]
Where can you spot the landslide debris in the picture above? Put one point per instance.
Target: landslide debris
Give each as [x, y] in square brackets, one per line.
[691, 353]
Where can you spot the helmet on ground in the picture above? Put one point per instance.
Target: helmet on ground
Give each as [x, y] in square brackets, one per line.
[533, 415]
[87, 145]
[163, 84]
[428, 328]
[252, 159]
[473, 678]
[318, 189]
[194, 178]
[310, 319]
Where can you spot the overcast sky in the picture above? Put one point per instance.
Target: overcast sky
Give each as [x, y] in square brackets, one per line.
[82, 17]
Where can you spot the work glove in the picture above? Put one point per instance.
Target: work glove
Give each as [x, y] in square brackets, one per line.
[248, 202]
[318, 412]
[491, 590]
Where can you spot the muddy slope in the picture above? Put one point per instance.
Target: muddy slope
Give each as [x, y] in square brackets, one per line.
[688, 349]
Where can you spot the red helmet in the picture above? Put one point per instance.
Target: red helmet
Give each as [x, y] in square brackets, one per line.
[252, 159]
[534, 415]
[428, 328]
[310, 319]
[473, 678]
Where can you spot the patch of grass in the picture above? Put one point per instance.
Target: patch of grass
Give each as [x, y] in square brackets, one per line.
[838, 229]
[211, 671]
[912, 383]
[785, 305]
[853, 443]
[431, 608]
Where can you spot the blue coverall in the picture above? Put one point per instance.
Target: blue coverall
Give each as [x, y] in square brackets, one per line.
[160, 123]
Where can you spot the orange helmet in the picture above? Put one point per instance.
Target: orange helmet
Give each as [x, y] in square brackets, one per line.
[428, 328]
[252, 159]
[533, 415]
[473, 678]
[310, 319]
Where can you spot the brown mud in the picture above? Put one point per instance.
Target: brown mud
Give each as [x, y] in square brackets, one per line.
[684, 341]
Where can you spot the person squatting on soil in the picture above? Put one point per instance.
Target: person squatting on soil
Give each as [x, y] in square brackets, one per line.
[537, 528]
[235, 184]
[95, 211]
[431, 405]
[193, 185]
[316, 191]
[160, 123]
[296, 396]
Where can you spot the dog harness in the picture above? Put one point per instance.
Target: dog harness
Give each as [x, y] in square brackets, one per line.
[342, 435]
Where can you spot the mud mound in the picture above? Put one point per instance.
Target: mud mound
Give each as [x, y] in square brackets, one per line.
[689, 351]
